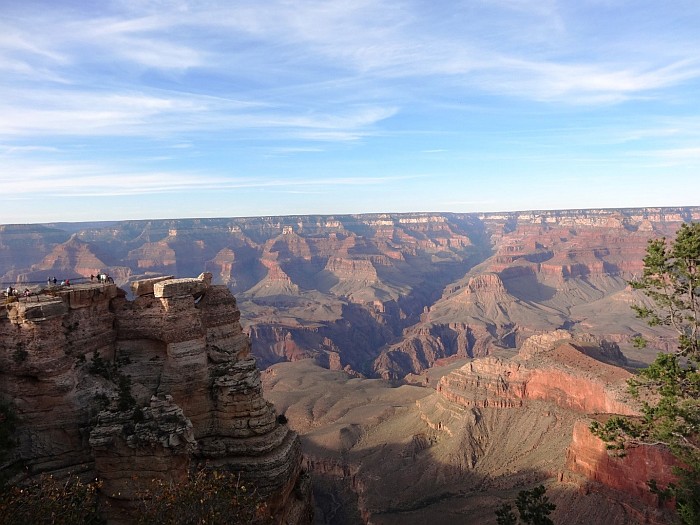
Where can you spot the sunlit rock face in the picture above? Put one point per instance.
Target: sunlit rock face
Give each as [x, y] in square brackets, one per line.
[588, 455]
[463, 438]
[550, 367]
[130, 391]
[381, 295]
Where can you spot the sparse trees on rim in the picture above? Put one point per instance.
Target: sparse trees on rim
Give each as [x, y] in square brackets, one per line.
[671, 279]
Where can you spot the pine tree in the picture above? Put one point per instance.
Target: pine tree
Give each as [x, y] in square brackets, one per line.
[533, 507]
[671, 278]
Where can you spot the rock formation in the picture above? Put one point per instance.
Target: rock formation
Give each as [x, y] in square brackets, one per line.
[130, 391]
[491, 427]
[549, 367]
[422, 286]
[581, 375]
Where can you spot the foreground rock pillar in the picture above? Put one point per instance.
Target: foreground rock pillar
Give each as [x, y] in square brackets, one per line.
[151, 389]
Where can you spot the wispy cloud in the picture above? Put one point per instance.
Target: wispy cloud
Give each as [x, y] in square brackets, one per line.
[245, 88]
[584, 83]
[81, 113]
[71, 179]
[12, 150]
[315, 40]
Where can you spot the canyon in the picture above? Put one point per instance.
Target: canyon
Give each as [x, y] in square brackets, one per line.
[457, 441]
[129, 392]
[380, 295]
[431, 364]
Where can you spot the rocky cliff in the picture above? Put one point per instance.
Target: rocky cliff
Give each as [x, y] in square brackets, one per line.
[629, 473]
[130, 391]
[412, 454]
[424, 286]
[550, 367]
[582, 376]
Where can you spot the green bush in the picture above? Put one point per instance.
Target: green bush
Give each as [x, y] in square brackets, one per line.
[533, 507]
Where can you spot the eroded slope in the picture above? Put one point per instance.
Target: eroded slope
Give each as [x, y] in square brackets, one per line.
[413, 454]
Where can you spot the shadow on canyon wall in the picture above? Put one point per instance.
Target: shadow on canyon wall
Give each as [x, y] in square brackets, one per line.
[399, 484]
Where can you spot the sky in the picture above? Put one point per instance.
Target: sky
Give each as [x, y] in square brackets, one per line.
[135, 109]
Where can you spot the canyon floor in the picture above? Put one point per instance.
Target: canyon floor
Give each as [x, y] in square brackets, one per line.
[389, 455]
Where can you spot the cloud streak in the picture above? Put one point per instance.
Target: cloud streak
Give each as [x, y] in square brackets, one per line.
[72, 179]
[124, 97]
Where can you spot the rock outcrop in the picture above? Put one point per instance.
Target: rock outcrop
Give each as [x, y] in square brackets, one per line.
[501, 276]
[131, 391]
[549, 367]
[580, 375]
[630, 473]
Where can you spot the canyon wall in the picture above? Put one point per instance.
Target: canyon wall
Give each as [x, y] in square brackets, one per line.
[584, 377]
[490, 428]
[629, 473]
[549, 367]
[154, 388]
[422, 286]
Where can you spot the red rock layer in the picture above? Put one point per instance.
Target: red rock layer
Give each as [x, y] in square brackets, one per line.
[550, 367]
[629, 474]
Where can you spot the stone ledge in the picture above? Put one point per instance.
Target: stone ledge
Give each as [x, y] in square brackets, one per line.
[39, 311]
[145, 286]
[181, 287]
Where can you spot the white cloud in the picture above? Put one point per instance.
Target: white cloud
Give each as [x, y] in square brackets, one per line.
[82, 113]
[231, 82]
[583, 83]
[69, 179]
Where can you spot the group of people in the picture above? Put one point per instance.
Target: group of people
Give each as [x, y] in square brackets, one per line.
[54, 281]
[101, 278]
[11, 291]
[14, 292]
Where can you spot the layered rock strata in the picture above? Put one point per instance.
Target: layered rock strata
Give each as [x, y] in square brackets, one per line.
[131, 391]
[502, 276]
[629, 473]
[581, 375]
[549, 367]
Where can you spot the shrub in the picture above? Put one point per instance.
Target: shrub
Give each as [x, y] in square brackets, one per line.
[100, 367]
[51, 501]
[20, 355]
[533, 507]
[205, 497]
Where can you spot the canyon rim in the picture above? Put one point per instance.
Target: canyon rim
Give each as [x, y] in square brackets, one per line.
[431, 364]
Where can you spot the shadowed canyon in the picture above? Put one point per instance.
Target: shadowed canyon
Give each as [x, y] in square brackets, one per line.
[432, 365]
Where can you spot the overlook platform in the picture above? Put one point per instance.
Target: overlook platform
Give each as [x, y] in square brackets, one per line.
[50, 301]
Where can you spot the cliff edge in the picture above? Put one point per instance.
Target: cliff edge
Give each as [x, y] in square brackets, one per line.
[154, 388]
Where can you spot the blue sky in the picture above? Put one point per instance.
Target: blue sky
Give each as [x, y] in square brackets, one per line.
[134, 109]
